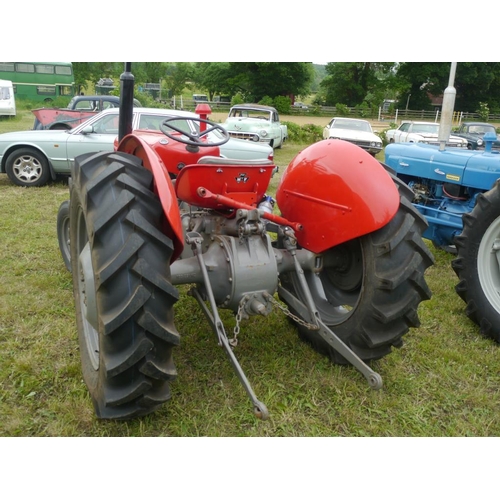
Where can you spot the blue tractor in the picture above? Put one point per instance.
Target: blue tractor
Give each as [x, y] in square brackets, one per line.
[459, 194]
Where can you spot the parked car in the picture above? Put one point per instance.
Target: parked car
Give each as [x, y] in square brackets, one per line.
[79, 109]
[32, 158]
[425, 132]
[358, 132]
[257, 123]
[474, 132]
[301, 105]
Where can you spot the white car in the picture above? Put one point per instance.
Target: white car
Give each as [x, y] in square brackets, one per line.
[358, 132]
[425, 132]
[258, 123]
[33, 157]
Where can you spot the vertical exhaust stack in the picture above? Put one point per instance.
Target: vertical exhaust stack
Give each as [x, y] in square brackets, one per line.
[126, 102]
[447, 111]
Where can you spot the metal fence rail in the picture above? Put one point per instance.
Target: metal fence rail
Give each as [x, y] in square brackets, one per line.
[395, 116]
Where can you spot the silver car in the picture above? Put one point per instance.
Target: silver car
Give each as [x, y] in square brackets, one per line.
[32, 158]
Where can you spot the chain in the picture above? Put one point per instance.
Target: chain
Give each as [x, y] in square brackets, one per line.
[239, 316]
[288, 313]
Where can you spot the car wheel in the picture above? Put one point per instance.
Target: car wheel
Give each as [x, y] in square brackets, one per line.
[27, 167]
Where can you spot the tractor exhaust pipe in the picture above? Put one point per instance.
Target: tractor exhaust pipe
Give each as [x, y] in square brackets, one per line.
[447, 111]
[126, 102]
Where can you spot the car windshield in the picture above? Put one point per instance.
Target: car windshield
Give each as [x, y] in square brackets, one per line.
[260, 114]
[429, 128]
[153, 122]
[352, 125]
[481, 129]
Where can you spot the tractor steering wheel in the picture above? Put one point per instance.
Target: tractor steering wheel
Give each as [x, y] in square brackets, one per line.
[194, 138]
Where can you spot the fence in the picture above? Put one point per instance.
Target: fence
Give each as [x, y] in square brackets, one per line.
[396, 116]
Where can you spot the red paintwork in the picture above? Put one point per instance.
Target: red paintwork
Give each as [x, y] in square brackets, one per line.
[172, 153]
[70, 117]
[332, 191]
[246, 185]
[203, 110]
[219, 200]
[337, 192]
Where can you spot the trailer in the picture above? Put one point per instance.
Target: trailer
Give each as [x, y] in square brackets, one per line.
[7, 99]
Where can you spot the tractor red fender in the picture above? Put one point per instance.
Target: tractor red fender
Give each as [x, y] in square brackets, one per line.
[136, 146]
[337, 192]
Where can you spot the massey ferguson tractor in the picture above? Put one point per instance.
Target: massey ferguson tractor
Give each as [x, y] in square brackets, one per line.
[344, 259]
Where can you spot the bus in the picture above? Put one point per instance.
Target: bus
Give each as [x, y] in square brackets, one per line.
[39, 81]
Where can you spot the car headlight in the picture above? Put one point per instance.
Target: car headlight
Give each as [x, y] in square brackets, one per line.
[255, 138]
[263, 133]
[479, 142]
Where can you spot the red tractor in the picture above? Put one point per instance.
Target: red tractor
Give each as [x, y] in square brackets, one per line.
[344, 259]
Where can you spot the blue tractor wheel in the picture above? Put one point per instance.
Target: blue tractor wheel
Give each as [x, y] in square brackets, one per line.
[478, 263]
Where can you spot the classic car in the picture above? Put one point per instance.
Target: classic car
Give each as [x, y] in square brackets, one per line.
[425, 132]
[358, 132]
[79, 109]
[474, 132]
[257, 123]
[33, 157]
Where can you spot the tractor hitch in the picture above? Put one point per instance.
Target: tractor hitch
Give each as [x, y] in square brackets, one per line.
[213, 317]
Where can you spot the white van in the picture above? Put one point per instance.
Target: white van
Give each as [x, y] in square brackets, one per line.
[7, 99]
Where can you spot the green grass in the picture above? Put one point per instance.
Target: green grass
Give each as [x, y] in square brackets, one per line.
[444, 381]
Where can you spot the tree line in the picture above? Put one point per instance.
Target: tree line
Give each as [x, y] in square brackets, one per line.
[408, 84]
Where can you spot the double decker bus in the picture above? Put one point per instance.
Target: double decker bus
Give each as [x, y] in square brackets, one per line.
[39, 81]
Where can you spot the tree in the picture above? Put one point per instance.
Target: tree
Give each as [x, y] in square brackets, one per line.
[256, 80]
[178, 75]
[214, 78]
[352, 83]
[149, 72]
[91, 72]
[477, 83]
[417, 81]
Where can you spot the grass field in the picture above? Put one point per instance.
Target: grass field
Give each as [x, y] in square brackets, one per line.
[444, 381]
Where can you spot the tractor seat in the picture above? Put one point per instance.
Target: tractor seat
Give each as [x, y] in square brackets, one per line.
[242, 181]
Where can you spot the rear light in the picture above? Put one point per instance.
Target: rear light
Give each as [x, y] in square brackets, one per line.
[271, 156]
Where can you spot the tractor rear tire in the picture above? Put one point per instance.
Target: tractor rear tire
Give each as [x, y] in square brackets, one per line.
[123, 294]
[478, 263]
[370, 288]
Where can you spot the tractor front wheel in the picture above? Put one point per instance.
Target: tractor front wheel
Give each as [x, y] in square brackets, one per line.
[369, 288]
[124, 299]
[478, 263]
